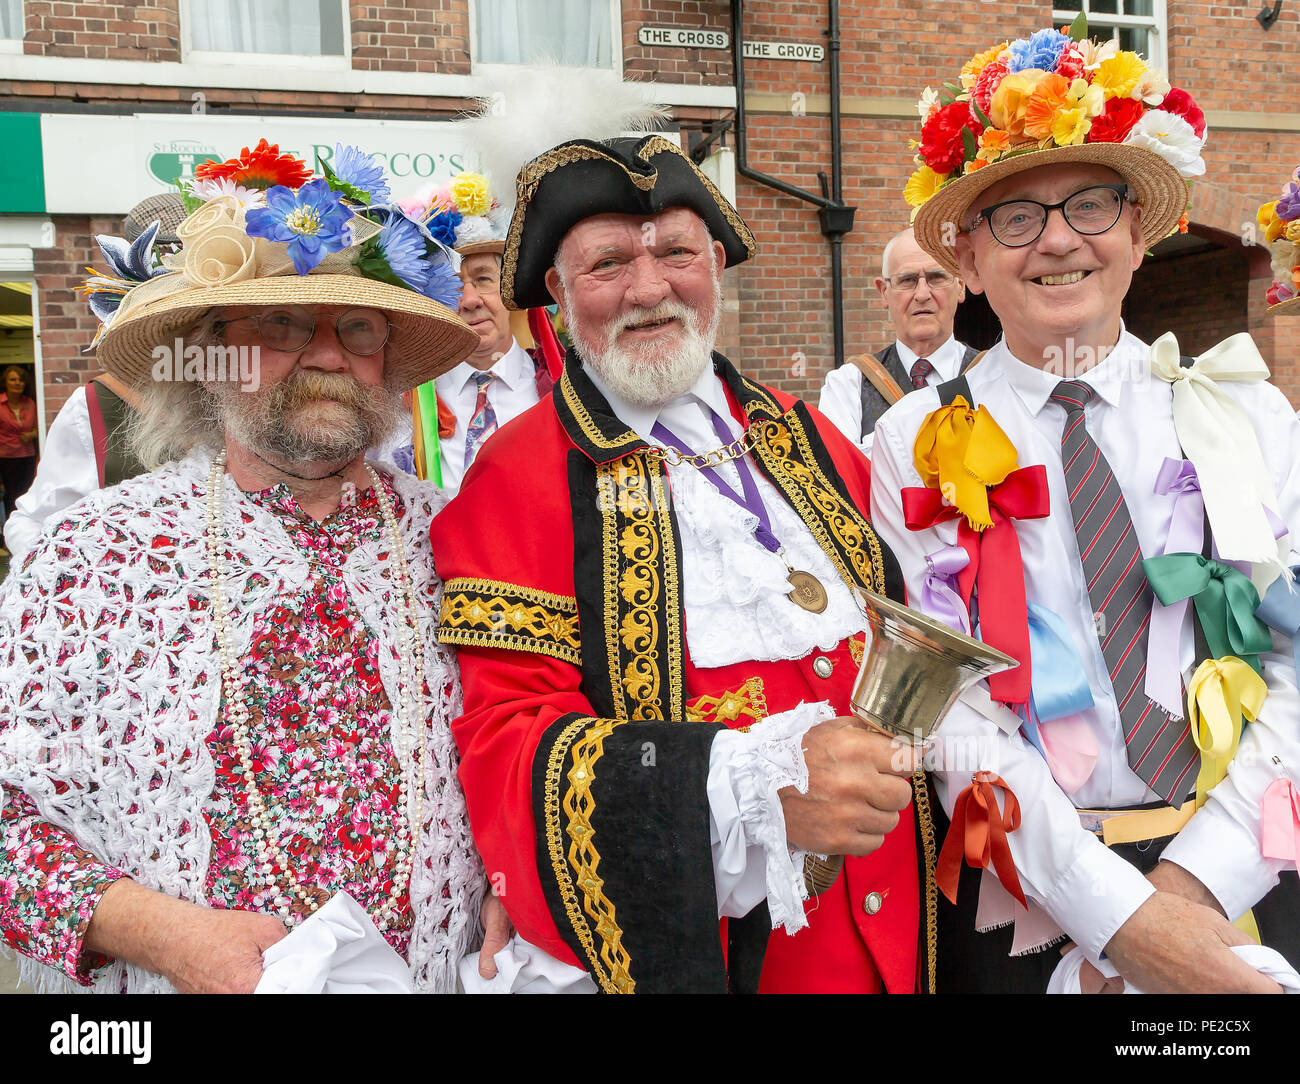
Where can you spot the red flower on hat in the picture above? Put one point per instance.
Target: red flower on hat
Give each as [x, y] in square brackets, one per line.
[262, 167]
[1181, 104]
[941, 142]
[1070, 65]
[1116, 122]
[987, 82]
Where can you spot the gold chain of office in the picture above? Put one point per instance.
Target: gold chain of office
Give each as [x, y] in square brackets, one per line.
[741, 446]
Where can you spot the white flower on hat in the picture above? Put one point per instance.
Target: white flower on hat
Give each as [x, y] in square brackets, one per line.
[1095, 53]
[1151, 87]
[927, 103]
[1171, 137]
[224, 186]
[1284, 255]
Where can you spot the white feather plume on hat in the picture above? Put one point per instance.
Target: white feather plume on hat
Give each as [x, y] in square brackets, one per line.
[530, 110]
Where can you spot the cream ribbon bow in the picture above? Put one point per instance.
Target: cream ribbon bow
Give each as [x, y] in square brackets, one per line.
[1220, 441]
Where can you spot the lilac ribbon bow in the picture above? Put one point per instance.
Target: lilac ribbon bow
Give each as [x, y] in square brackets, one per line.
[939, 597]
[1164, 681]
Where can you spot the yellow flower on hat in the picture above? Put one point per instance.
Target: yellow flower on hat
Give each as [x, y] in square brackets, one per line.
[470, 191]
[1119, 75]
[923, 184]
[1071, 127]
[971, 69]
[1267, 217]
[1291, 230]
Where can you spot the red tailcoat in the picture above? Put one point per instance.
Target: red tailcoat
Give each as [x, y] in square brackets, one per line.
[586, 729]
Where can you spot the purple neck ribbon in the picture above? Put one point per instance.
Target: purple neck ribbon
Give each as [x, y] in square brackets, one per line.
[750, 500]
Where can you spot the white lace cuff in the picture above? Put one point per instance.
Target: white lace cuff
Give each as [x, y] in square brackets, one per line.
[751, 857]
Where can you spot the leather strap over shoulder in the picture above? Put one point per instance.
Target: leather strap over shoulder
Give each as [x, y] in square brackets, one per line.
[874, 370]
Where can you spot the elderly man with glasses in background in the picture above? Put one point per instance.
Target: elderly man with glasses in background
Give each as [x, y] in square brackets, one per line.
[921, 298]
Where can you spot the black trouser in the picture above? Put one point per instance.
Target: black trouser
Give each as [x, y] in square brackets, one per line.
[17, 475]
[978, 963]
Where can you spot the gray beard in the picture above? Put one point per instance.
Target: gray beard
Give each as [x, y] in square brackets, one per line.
[262, 421]
[648, 377]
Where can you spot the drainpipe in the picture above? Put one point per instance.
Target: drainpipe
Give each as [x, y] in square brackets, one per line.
[835, 218]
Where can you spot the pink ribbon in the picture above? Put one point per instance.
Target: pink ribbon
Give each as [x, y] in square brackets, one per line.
[1280, 822]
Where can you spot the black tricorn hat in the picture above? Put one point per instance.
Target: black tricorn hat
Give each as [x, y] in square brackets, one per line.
[582, 178]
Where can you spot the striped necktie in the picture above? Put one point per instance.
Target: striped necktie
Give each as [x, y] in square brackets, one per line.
[1160, 748]
[484, 422]
[921, 368]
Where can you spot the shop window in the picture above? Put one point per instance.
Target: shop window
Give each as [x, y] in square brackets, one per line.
[313, 28]
[578, 33]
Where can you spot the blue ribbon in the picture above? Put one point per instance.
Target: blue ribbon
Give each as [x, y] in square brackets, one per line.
[1059, 682]
[1280, 610]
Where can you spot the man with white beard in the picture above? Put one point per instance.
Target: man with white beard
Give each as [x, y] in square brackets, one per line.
[674, 544]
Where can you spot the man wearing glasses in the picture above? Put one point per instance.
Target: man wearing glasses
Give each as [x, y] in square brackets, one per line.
[1120, 835]
[922, 299]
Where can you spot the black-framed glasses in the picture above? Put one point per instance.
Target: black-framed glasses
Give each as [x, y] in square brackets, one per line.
[1090, 211]
[360, 331]
[910, 280]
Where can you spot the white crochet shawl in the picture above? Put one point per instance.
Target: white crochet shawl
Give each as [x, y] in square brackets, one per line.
[108, 694]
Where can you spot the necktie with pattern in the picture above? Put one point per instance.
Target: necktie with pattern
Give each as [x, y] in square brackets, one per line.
[1160, 748]
[484, 422]
[921, 368]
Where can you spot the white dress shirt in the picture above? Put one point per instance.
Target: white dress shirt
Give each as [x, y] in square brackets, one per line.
[66, 473]
[841, 398]
[1088, 890]
[512, 392]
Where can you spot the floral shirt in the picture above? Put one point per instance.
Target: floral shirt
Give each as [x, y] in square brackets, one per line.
[319, 719]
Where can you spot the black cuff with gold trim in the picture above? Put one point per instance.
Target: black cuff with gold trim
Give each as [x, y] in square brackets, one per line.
[624, 851]
[489, 613]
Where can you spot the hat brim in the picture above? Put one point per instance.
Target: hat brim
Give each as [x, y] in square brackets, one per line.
[497, 248]
[1158, 186]
[1289, 305]
[427, 338]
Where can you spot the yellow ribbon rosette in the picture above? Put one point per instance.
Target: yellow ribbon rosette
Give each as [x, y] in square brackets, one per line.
[1221, 696]
[962, 452]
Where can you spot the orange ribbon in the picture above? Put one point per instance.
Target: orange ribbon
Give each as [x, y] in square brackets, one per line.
[979, 830]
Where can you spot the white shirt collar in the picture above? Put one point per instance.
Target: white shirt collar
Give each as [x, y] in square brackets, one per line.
[946, 359]
[707, 393]
[1034, 384]
[513, 369]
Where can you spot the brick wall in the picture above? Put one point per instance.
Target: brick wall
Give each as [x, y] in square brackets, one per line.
[411, 36]
[66, 323]
[103, 30]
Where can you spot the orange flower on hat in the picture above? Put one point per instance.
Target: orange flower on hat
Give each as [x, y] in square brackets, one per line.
[1011, 99]
[263, 167]
[1044, 105]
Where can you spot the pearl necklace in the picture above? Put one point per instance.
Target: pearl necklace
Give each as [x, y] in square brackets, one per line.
[408, 745]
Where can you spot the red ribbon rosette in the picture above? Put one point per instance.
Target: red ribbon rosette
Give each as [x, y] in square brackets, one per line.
[979, 831]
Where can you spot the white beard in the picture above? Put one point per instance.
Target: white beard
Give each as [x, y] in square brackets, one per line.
[646, 376]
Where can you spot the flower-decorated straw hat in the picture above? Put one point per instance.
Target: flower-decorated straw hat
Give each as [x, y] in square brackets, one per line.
[1053, 97]
[464, 214]
[1281, 222]
[264, 231]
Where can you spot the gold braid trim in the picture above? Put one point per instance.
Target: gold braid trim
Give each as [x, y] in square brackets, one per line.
[584, 419]
[837, 526]
[612, 979]
[489, 613]
[658, 145]
[925, 820]
[748, 700]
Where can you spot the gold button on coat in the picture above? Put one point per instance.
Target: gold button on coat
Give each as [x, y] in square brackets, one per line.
[822, 666]
[873, 902]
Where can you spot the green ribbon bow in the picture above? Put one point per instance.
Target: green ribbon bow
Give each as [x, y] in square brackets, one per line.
[1225, 602]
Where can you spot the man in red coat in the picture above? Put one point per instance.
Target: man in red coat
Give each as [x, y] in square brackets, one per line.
[648, 582]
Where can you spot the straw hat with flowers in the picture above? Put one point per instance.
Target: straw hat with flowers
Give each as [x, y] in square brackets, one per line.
[1055, 96]
[263, 230]
[1280, 219]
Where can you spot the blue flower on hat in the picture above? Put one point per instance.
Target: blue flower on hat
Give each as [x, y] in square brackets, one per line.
[402, 245]
[313, 222]
[131, 263]
[357, 168]
[443, 284]
[1042, 51]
